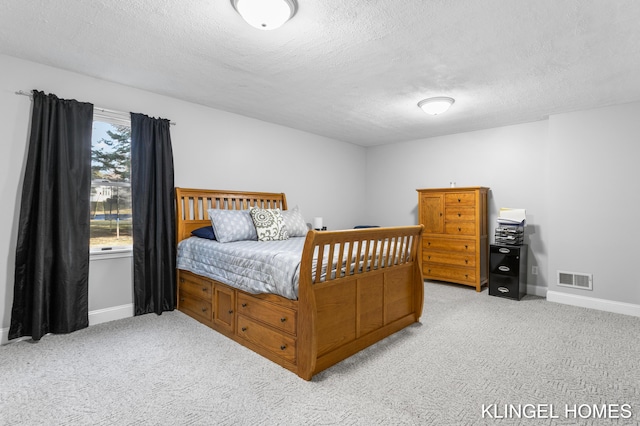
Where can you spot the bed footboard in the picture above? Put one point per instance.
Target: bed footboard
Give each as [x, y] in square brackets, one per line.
[356, 288]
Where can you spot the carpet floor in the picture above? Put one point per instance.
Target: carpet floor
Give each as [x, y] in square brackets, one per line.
[473, 360]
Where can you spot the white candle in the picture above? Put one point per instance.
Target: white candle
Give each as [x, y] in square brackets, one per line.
[317, 223]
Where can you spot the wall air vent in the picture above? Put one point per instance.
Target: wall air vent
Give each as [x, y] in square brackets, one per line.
[575, 280]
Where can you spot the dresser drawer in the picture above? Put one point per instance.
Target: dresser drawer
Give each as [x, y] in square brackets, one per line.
[460, 246]
[449, 258]
[200, 308]
[460, 228]
[449, 273]
[459, 199]
[195, 286]
[269, 313]
[276, 342]
[460, 214]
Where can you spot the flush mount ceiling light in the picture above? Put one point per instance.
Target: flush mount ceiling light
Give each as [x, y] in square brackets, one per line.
[265, 14]
[435, 106]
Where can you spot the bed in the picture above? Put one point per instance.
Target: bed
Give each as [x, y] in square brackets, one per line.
[349, 290]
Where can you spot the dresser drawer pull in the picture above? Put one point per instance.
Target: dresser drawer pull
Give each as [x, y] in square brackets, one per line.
[283, 319]
[503, 290]
[504, 250]
[466, 261]
[244, 329]
[283, 347]
[459, 214]
[459, 229]
[205, 289]
[466, 246]
[244, 305]
[182, 299]
[458, 199]
[204, 309]
[504, 268]
[230, 311]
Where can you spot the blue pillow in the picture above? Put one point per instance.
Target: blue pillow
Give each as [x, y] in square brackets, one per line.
[204, 232]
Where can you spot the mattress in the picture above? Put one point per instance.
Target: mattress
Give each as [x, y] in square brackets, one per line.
[269, 266]
[253, 266]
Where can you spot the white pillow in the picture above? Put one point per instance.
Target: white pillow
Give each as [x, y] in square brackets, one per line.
[295, 223]
[269, 224]
[232, 225]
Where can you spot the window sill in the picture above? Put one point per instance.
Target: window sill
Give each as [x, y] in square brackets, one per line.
[114, 253]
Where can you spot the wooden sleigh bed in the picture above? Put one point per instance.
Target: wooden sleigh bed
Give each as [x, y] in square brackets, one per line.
[335, 315]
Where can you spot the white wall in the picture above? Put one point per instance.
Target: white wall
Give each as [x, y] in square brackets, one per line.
[512, 161]
[212, 149]
[573, 173]
[593, 202]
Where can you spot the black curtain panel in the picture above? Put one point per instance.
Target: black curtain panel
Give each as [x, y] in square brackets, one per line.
[52, 253]
[154, 217]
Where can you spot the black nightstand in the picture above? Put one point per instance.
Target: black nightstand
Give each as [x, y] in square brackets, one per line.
[508, 271]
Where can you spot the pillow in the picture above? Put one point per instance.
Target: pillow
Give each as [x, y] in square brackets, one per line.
[204, 232]
[293, 220]
[232, 225]
[269, 224]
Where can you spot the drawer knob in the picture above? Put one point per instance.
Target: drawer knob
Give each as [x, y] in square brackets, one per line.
[244, 305]
[459, 229]
[244, 328]
[230, 311]
[504, 268]
[283, 319]
[503, 290]
[205, 289]
[466, 246]
[283, 347]
[459, 214]
[458, 199]
[204, 309]
[466, 261]
[429, 257]
[182, 299]
[428, 243]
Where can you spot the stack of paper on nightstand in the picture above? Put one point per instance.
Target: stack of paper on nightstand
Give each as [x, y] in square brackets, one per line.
[511, 223]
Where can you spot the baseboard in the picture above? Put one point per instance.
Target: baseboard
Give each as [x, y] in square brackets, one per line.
[110, 314]
[594, 303]
[536, 290]
[95, 317]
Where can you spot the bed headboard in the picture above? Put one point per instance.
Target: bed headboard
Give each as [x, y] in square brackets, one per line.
[192, 205]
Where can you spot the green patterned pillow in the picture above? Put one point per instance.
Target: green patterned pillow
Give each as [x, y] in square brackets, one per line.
[269, 224]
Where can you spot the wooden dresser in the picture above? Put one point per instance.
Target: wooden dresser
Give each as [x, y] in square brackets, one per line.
[455, 244]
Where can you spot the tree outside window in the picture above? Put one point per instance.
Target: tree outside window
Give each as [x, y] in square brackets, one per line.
[111, 223]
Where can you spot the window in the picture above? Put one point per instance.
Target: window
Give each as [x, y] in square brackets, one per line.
[111, 223]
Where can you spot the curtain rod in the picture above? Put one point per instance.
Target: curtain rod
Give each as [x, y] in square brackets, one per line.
[27, 94]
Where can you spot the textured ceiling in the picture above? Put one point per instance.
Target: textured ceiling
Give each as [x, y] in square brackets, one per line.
[350, 70]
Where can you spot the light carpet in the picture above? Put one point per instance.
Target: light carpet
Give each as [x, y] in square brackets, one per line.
[472, 358]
